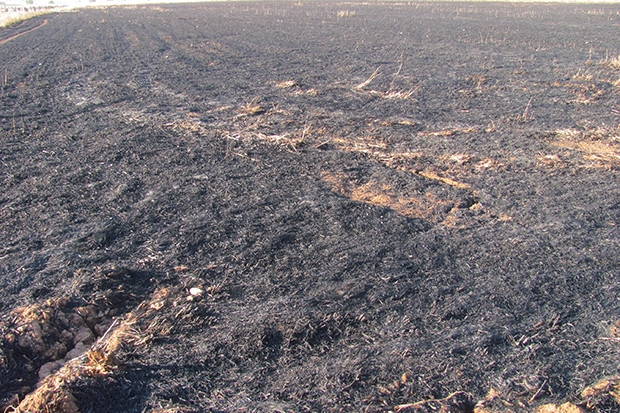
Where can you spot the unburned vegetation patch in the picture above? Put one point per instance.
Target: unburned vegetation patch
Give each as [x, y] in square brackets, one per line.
[434, 202]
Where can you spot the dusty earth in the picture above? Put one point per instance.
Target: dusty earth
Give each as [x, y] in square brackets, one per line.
[311, 207]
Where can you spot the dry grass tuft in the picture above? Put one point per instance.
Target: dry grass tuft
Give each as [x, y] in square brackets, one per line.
[190, 126]
[422, 206]
[393, 159]
[369, 80]
[399, 94]
[601, 387]
[600, 147]
[53, 392]
[375, 147]
[585, 76]
[612, 63]
[39, 312]
[459, 158]
[53, 395]
[286, 84]
[370, 145]
[251, 108]
[527, 115]
[433, 176]
[393, 92]
[345, 13]
[449, 132]
[311, 92]
[390, 93]
[550, 161]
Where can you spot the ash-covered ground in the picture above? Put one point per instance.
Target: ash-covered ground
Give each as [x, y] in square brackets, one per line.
[311, 206]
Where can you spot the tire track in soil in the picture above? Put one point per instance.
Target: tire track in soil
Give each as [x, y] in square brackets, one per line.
[15, 36]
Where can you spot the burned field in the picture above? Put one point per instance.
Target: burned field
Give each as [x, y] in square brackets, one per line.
[311, 207]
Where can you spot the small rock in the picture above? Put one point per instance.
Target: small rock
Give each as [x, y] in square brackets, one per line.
[49, 368]
[67, 335]
[61, 317]
[56, 352]
[195, 291]
[77, 320]
[77, 351]
[84, 335]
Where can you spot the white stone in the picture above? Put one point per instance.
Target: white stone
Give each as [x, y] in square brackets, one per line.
[195, 291]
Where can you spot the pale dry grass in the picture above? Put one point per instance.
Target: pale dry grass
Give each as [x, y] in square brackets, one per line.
[38, 312]
[194, 127]
[297, 90]
[251, 108]
[421, 206]
[612, 63]
[393, 92]
[291, 140]
[286, 84]
[345, 13]
[399, 94]
[600, 146]
[560, 408]
[587, 87]
[448, 181]
[372, 77]
[527, 114]
[583, 76]
[53, 393]
[550, 161]
[449, 131]
[458, 158]
[10, 18]
[309, 92]
[367, 144]
[379, 150]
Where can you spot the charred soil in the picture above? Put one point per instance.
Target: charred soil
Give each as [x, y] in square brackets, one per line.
[311, 207]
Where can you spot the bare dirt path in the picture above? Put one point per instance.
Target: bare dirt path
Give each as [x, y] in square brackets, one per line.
[311, 207]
